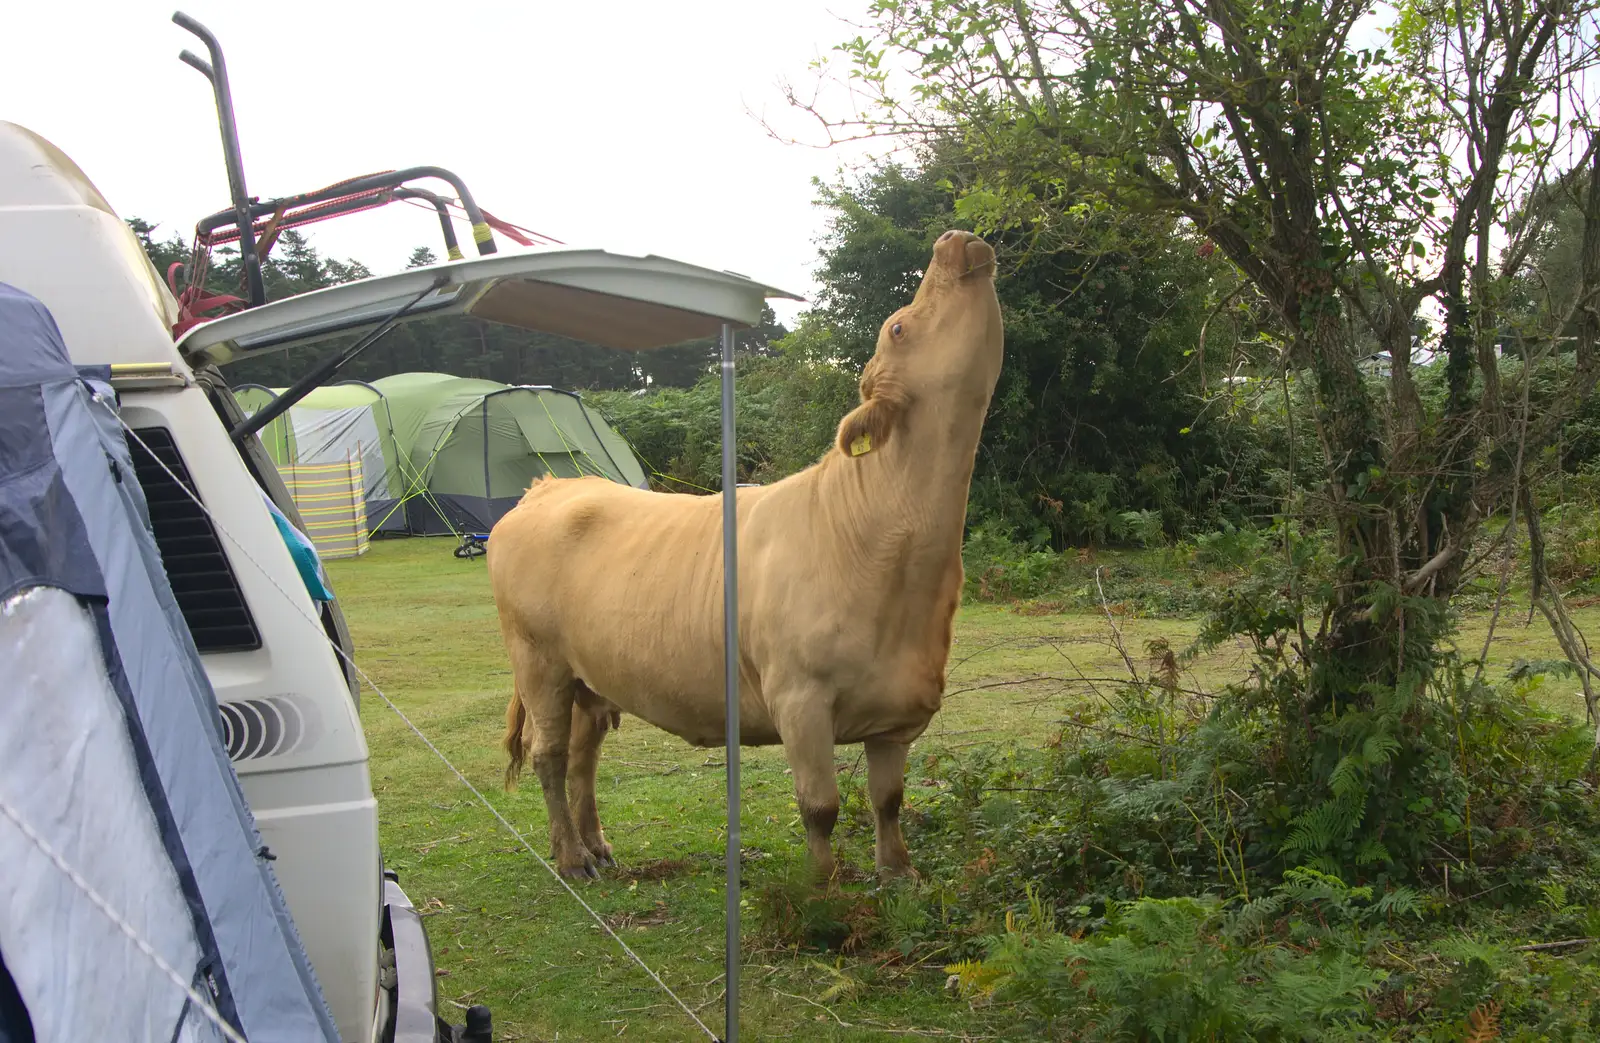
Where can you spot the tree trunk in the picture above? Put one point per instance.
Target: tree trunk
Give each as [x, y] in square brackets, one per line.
[1357, 646]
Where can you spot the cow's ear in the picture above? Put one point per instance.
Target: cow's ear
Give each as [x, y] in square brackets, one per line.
[866, 427]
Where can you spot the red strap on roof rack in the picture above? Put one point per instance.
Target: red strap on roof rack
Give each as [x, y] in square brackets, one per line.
[194, 300]
[516, 233]
[510, 231]
[305, 216]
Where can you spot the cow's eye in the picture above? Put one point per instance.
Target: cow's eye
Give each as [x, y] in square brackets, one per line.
[894, 331]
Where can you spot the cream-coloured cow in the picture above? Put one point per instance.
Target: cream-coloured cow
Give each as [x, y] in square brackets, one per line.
[610, 598]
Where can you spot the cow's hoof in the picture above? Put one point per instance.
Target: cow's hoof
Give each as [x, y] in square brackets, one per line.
[900, 872]
[600, 851]
[586, 871]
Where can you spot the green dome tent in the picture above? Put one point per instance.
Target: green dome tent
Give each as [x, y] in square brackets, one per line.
[443, 454]
[474, 446]
[334, 425]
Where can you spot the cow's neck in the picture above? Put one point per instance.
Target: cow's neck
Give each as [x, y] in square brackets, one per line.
[910, 492]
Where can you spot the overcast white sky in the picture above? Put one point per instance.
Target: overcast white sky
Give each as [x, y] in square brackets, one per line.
[621, 124]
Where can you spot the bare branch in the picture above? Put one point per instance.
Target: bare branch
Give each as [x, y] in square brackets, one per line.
[1032, 44]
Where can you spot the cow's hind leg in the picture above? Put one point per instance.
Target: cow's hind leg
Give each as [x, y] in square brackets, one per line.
[592, 717]
[807, 735]
[548, 694]
[886, 779]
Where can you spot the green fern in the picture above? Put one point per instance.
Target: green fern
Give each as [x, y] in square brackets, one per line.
[842, 985]
[1402, 901]
[1372, 852]
[1555, 897]
[1316, 831]
[1379, 748]
[1346, 779]
[1186, 969]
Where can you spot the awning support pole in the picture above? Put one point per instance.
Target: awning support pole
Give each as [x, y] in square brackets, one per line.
[730, 636]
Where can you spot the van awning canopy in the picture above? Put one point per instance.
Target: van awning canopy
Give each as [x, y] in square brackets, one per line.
[613, 300]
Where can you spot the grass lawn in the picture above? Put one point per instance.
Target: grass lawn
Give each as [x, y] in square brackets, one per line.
[504, 933]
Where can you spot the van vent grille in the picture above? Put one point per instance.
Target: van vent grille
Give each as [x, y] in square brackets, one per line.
[203, 582]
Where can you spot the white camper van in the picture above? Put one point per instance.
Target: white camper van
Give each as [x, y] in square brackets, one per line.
[287, 703]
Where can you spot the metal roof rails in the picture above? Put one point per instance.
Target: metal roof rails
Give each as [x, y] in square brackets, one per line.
[255, 224]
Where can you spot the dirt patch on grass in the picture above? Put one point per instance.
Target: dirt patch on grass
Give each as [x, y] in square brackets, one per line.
[654, 917]
[659, 869]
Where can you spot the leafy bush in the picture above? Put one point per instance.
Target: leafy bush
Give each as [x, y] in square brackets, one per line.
[1039, 580]
[1170, 867]
[1572, 545]
[1000, 569]
[792, 911]
[1190, 969]
[1170, 841]
[789, 408]
[1230, 547]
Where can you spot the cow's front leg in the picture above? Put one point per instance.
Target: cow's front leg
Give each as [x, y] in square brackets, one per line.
[886, 780]
[807, 733]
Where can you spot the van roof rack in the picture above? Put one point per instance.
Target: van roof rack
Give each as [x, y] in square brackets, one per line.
[256, 224]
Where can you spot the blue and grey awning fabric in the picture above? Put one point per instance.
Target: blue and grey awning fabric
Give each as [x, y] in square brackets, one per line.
[111, 755]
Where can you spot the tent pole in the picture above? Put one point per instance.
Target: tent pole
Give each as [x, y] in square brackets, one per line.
[488, 496]
[730, 636]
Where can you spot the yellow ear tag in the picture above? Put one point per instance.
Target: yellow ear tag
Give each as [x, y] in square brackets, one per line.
[862, 444]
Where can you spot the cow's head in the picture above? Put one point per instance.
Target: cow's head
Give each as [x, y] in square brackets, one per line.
[943, 348]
